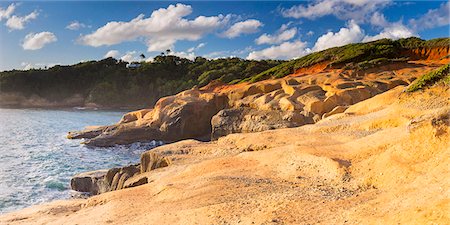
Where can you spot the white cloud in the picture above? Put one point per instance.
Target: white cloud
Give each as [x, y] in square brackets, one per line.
[75, 25]
[244, 27]
[18, 23]
[343, 9]
[217, 54]
[310, 33]
[378, 19]
[199, 46]
[433, 18]
[390, 30]
[130, 57]
[187, 55]
[282, 35]
[112, 53]
[161, 30]
[28, 66]
[6, 13]
[393, 31]
[35, 41]
[346, 35]
[286, 50]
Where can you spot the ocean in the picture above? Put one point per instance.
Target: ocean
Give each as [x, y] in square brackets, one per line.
[37, 161]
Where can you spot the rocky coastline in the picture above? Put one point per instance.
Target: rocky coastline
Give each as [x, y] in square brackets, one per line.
[342, 144]
[217, 110]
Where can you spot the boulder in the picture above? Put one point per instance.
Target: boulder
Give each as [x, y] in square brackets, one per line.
[88, 132]
[336, 110]
[92, 182]
[151, 160]
[120, 175]
[245, 120]
[183, 116]
[135, 115]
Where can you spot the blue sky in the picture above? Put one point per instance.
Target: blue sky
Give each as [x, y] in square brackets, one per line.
[35, 34]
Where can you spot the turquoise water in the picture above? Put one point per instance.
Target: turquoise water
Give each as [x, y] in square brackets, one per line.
[37, 161]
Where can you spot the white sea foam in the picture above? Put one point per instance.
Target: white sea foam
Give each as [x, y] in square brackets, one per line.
[37, 161]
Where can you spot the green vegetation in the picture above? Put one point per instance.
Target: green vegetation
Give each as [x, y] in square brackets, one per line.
[441, 74]
[109, 83]
[375, 53]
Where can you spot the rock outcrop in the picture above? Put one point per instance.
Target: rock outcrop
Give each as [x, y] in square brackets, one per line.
[101, 181]
[92, 182]
[182, 116]
[383, 160]
[217, 110]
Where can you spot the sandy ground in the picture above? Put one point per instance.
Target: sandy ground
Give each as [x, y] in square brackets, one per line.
[384, 161]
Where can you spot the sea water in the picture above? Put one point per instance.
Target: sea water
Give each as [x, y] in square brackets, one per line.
[37, 161]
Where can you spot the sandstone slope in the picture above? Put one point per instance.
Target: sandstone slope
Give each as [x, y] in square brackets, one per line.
[217, 110]
[383, 161]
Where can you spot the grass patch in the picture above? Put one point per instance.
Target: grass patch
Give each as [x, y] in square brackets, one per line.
[365, 54]
[441, 74]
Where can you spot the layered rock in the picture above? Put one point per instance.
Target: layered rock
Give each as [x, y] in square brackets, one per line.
[182, 116]
[383, 161]
[215, 111]
[101, 181]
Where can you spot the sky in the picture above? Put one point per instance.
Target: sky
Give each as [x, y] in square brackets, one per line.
[38, 34]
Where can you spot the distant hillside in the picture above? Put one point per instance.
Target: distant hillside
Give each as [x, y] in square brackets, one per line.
[109, 83]
[360, 56]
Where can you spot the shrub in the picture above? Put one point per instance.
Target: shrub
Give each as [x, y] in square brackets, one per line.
[441, 74]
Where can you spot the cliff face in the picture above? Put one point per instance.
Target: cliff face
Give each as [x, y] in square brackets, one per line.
[428, 53]
[217, 110]
[382, 161]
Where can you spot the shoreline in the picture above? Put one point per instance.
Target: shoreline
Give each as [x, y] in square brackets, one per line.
[351, 175]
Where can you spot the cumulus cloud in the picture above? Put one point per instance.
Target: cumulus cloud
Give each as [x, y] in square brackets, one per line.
[15, 22]
[6, 13]
[282, 35]
[18, 22]
[433, 18]
[35, 41]
[286, 50]
[343, 9]
[244, 27]
[75, 25]
[112, 53]
[187, 55]
[131, 56]
[199, 46]
[29, 66]
[346, 35]
[161, 30]
[310, 33]
[395, 30]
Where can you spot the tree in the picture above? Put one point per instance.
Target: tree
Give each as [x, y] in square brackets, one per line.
[142, 56]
